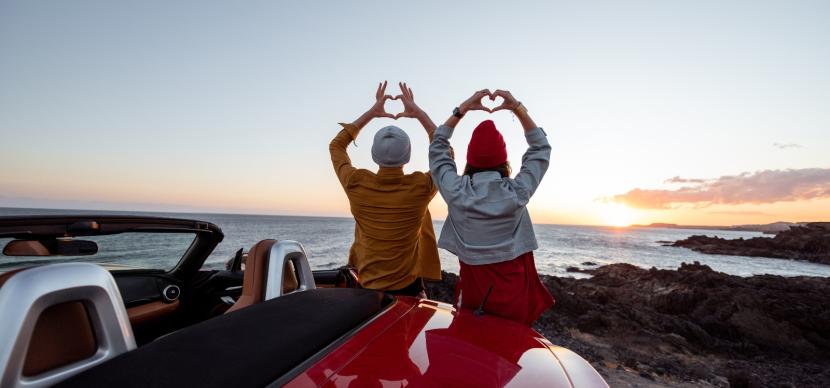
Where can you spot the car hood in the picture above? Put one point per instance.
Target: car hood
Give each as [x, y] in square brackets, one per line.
[426, 343]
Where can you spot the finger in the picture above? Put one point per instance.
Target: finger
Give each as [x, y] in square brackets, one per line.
[378, 92]
[411, 95]
[403, 88]
[389, 115]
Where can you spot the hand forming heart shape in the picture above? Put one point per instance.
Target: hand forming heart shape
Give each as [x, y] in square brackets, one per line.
[410, 109]
[476, 101]
[394, 107]
[491, 103]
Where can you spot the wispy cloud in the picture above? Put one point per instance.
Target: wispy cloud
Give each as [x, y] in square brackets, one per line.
[783, 146]
[678, 179]
[759, 187]
[740, 213]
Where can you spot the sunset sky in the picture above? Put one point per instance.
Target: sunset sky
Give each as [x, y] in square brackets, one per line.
[704, 112]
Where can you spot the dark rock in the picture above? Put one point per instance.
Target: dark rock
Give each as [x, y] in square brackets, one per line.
[810, 242]
[577, 269]
[591, 263]
[691, 324]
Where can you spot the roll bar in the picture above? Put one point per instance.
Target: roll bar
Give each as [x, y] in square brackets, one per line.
[25, 296]
[282, 252]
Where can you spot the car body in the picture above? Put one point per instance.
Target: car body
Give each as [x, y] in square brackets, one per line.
[328, 334]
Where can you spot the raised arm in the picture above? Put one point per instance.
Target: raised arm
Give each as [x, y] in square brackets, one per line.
[472, 103]
[441, 161]
[536, 159]
[337, 148]
[412, 110]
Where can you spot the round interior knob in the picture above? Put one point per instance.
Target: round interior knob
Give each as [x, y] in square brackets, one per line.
[171, 293]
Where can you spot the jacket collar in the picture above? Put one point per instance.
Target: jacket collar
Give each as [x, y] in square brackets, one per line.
[486, 176]
[390, 171]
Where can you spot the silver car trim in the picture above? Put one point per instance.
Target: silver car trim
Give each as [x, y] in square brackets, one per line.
[28, 293]
[281, 252]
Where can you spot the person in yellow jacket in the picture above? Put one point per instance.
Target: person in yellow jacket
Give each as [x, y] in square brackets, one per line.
[394, 247]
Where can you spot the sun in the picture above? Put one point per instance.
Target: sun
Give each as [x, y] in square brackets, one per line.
[618, 215]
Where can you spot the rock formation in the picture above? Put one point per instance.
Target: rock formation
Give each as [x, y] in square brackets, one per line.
[810, 242]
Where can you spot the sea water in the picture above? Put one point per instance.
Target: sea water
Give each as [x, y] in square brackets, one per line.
[327, 241]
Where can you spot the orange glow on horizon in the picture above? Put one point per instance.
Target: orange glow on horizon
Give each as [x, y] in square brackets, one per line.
[618, 215]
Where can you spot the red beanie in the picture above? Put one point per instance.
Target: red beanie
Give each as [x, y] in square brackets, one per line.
[486, 148]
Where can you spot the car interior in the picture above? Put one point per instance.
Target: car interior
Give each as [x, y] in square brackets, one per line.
[268, 303]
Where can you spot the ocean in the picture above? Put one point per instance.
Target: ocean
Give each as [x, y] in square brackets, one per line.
[327, 241]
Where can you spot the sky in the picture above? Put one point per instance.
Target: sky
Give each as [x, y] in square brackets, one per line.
[705, 112]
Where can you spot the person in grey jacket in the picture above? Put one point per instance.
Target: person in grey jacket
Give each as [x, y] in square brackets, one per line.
[488, 226]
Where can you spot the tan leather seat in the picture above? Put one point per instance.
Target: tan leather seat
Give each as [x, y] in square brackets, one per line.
[256, 276]
[289, 278]
[64, 332]
[256, 273]
[62, 335]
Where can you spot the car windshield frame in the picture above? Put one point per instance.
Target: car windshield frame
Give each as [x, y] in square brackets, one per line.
[206, 235]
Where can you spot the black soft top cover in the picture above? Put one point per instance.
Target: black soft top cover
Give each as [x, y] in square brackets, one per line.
[252, 347]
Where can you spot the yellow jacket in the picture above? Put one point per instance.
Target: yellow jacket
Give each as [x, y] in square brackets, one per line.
[394, 242]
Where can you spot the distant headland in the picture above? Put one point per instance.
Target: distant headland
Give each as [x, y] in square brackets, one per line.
[771, 228]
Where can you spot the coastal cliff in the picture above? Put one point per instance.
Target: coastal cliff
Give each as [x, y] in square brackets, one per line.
[689, 327]
[810, 242]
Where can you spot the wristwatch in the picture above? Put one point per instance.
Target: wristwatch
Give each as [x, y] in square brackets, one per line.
[520, 108]
[457, 113]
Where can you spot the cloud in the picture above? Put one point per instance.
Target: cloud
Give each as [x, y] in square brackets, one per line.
[783, 146]
[768, 186]
[741, 213]
[678, 179]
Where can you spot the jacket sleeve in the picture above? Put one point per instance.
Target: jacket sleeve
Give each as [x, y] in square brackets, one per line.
[339, 157]
[441, 162]
[534, 162]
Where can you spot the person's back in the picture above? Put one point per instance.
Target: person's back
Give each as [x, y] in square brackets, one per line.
[394, 247]
[392, 225]
[488, 217]
[488, 226]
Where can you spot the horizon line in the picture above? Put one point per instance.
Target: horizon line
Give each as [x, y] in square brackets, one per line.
[320, 216]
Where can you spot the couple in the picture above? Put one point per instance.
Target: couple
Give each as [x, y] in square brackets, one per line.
[488, 226]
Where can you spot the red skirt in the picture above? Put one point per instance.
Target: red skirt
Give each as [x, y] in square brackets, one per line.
[518, 293]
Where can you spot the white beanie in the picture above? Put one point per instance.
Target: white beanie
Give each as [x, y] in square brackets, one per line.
[391, 147]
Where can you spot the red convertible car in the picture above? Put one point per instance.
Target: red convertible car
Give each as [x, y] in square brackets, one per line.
[86, 301]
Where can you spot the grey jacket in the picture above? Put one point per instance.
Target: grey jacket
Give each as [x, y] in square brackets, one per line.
[488, 220]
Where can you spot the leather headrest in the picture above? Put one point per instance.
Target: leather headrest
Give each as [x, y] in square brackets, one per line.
[289, 278]
[256, 272]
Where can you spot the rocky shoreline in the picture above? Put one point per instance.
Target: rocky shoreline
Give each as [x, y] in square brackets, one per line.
[689, 327]
[810, 242]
